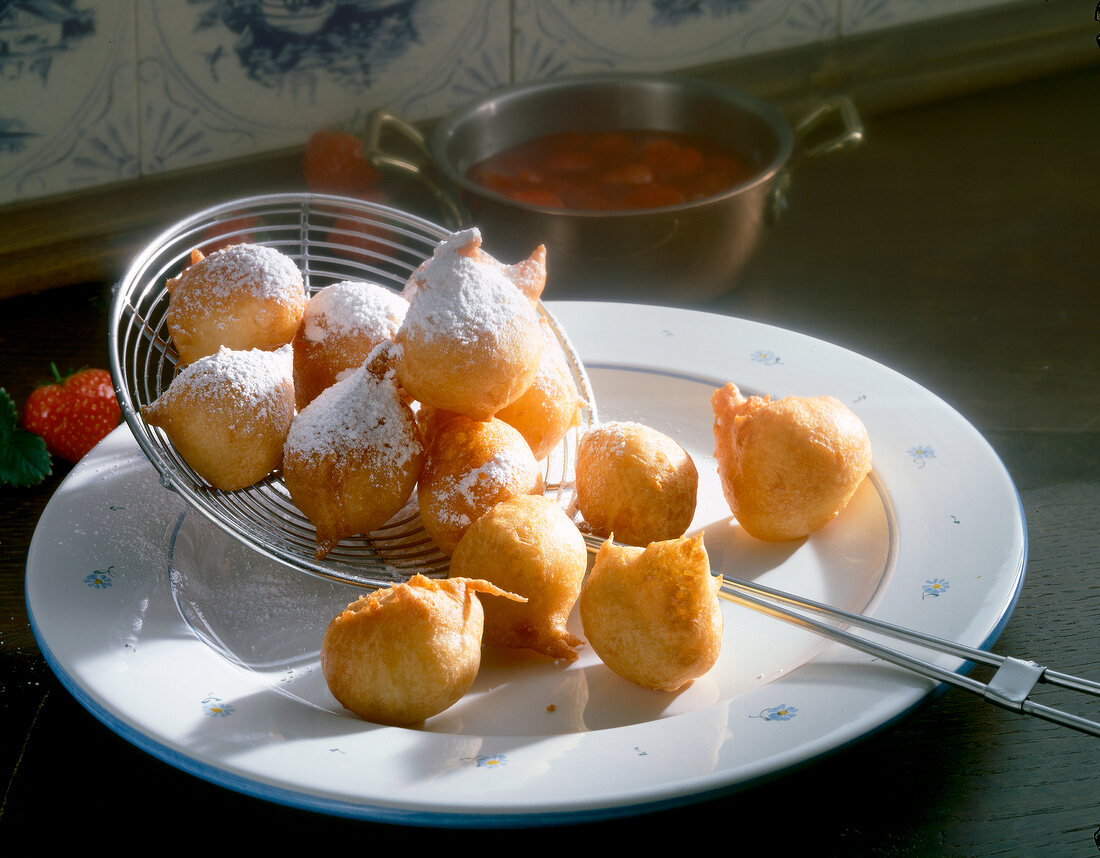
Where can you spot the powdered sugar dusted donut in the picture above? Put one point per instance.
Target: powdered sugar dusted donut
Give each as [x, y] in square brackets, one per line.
[528, 275]
[342, 325]
[245, 296]
[471, 466]
[470, 342]
[227, 414]
[353, 455]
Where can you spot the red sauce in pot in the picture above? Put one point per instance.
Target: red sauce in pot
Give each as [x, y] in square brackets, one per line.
[612, 171]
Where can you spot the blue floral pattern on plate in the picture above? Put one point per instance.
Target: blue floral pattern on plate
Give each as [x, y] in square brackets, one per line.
[922, 454]
[782, 712]
[766, 357]
[934, 587]
[100, 579]
[216, 708]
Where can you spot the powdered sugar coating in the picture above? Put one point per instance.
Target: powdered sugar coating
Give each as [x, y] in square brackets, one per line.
[343, 323]
[612, 436]
[471, 341]
[508, 469]
[353, 455]
[362, 415]
[463, 299]
[256, 269]
[354, 306]
[250, 384]
[471, 466]
[244, 296]
[228, 414]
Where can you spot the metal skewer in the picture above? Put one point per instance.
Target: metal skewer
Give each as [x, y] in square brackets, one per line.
[1011, 684]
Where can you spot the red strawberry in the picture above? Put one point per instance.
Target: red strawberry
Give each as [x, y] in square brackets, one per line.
[334, 163]
[73, 414]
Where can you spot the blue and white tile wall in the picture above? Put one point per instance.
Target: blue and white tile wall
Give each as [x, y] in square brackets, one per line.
[99, 91]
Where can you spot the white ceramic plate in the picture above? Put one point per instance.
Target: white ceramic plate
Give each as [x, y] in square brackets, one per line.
[935, 540]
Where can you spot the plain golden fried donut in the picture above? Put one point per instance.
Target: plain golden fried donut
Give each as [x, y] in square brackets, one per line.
[635, 482]
[788, 466]
[551, 406]
[405, 653]
[652, 615]
[528, 546]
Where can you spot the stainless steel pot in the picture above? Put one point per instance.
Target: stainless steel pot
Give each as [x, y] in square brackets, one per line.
[693, 251]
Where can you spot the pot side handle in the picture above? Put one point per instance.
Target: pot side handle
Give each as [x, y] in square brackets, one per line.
[812, 140]
[379, 122]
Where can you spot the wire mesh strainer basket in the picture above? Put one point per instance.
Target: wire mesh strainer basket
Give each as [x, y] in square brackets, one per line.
[330, 239]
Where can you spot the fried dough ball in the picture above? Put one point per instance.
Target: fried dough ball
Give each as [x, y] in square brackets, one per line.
[470, 342]
[787, 467]
[353, 456]
[405, 653]
[529, 546]
[342, 325]
[471, 466]
[551, 406]
[636, 483]
[548, 409]
[228, 414]
[652, 614]
[245, 296]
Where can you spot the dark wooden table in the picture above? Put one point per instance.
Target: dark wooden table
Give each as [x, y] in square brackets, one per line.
[958, 245]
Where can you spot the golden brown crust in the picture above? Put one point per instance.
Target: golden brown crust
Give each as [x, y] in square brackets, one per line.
[788, 466]
[403, 654]
[529, 546]
[652, 615]
[635, 482]
[551, 405]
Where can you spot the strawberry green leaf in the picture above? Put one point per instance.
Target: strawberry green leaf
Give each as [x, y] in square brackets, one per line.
[24, 459]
